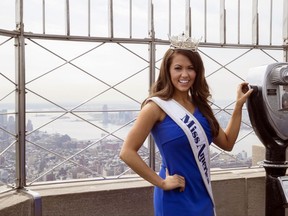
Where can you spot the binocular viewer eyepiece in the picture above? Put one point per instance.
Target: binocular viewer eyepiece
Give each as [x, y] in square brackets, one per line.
[268, 103]
[280, 75]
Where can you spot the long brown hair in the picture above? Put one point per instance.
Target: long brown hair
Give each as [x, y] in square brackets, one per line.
[199, 92]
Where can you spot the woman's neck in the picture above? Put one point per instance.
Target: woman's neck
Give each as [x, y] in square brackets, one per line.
[182, 97]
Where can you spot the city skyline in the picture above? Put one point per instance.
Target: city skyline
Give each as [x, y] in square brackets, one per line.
[68, 69]
[47, 149]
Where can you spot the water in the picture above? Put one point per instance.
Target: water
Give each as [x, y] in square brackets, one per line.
[73, 124]
[80, 130]
[77, 128]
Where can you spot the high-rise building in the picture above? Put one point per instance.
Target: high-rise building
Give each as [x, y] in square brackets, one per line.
[11, 124]
[105, 114]
[29, 126]
[3, 117]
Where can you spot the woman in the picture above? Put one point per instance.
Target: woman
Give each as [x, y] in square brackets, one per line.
[178, 115]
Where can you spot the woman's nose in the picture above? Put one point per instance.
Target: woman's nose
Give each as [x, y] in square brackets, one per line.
[184, 73]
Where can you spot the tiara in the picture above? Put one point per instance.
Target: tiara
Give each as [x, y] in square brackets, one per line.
[184, 42]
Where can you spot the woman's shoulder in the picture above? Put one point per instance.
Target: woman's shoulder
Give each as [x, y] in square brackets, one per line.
[152, 107]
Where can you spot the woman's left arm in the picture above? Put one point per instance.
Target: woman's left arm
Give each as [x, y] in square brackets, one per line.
[226, 139]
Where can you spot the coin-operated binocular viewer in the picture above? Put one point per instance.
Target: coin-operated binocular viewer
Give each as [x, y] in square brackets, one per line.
[268, 112]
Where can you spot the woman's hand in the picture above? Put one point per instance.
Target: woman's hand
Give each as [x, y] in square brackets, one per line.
[173, 181]
[243, 92]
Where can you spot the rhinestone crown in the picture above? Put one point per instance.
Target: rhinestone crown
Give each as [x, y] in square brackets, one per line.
[184, 42]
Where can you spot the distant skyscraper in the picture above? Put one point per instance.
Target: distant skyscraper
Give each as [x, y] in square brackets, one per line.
[243, 155]
[29, 126]
[11, 124]
[105, 114]
[3, 117]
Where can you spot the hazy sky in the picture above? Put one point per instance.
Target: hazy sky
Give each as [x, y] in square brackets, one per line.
[55, 71]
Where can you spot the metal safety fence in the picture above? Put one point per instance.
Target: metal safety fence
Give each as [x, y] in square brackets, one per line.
[74, 73]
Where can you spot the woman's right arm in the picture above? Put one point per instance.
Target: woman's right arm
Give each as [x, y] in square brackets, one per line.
[147, 118]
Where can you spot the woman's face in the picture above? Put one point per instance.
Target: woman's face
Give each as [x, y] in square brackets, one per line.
[182, 73]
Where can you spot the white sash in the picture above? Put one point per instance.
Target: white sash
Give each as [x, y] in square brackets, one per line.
[195, 134]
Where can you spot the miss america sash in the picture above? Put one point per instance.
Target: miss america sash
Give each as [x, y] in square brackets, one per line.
[195, 134]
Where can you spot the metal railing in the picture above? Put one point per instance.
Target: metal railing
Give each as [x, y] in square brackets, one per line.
[62, 58]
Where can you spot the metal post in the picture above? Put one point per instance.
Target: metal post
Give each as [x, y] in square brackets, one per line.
[285, 29]
[151, 143]
[89, 18]
[205, 21]
[43, 17]
[170, 19]
[130, 18]
[255, 23]
[270, 24]
[67, 17]
[238, 22]
[275, 167]
[222, 22]
[110, 19]
[188, 18]
[20, 97]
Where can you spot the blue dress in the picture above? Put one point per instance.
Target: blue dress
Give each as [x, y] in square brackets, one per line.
[178, 157]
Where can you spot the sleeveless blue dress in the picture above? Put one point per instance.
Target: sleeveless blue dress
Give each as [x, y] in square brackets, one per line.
[178, 157]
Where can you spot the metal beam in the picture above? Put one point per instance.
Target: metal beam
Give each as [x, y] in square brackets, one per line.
[152, 50]
[188, 27]
[110, 19]
[238, 22]
[222, 22]
[143, 41]
[255, 23]
[89, 18]
[285, 29]
[43, 17]
[67, 14]
[20, 97]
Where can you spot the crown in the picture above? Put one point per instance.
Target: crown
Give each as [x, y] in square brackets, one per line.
[184, 42]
